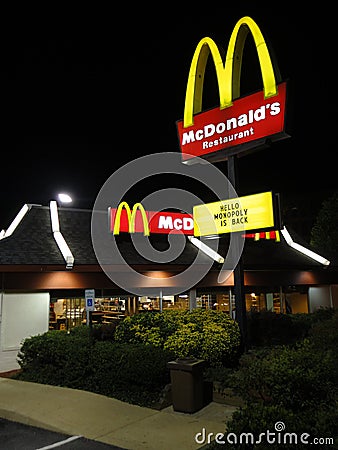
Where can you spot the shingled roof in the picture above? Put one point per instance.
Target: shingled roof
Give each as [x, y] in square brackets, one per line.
[32, 243]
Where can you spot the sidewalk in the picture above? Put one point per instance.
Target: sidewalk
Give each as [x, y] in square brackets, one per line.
[108, 420]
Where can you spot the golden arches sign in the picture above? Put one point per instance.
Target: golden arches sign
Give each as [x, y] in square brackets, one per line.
[228, 77]
[131, 217]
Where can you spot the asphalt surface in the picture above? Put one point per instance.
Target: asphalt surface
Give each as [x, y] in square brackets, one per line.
[18, 436]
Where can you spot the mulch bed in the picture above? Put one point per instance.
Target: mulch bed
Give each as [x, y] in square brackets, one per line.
[9, 373]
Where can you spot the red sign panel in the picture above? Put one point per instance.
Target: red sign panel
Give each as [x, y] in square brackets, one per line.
[159, 222]
[249, 119]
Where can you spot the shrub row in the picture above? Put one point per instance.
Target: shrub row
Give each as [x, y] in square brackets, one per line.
[130, 372]
[129, 361]
[267, 328]
[293, 387]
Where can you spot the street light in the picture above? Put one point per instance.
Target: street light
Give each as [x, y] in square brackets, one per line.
[65, 198]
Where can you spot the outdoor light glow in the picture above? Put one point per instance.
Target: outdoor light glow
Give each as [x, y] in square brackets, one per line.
[65, 198]
[302, 249]
[207, 250]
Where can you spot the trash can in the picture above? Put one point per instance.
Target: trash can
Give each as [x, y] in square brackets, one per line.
[187, 388]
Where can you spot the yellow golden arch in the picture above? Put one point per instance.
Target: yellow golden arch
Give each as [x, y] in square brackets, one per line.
[228, 75]
[131, 218]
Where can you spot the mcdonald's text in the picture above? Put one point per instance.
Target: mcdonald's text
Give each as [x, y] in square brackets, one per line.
[249, 119]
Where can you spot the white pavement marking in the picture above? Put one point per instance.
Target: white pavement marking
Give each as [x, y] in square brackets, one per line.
[58, 444]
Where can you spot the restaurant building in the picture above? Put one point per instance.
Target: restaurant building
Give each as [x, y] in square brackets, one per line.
[48, 263]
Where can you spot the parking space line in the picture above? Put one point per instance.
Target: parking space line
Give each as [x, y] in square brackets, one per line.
[60, 443]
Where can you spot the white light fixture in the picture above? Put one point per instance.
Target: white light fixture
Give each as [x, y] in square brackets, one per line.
[302, 249]
[10, 230]
[212, 236]
[54, 216]
[59, 239]
[65, 198]
[207, 250]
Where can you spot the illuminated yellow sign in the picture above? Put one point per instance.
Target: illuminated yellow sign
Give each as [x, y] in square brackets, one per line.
[251, 212]
[237, 121]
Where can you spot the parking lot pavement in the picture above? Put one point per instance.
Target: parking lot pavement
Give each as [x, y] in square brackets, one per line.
[18, 436]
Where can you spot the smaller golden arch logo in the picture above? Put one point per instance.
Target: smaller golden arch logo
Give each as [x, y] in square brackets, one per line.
[131, 214]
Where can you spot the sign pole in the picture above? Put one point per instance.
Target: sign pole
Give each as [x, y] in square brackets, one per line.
[240, 313]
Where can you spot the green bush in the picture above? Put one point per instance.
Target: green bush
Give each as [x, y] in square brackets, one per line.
[136, 373]
[324, 333]
[293, 378]
[128, 361]
[104, 331]
[148, 327]
[267, 328]
[296, 385]
[56, 357]
[251, 423]
[186, 341]
[218, 345]
[205, 334]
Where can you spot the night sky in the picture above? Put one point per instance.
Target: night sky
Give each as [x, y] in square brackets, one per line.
[85, 93]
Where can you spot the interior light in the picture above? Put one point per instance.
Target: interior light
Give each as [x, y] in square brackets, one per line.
[207, 250]
[303, 249]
